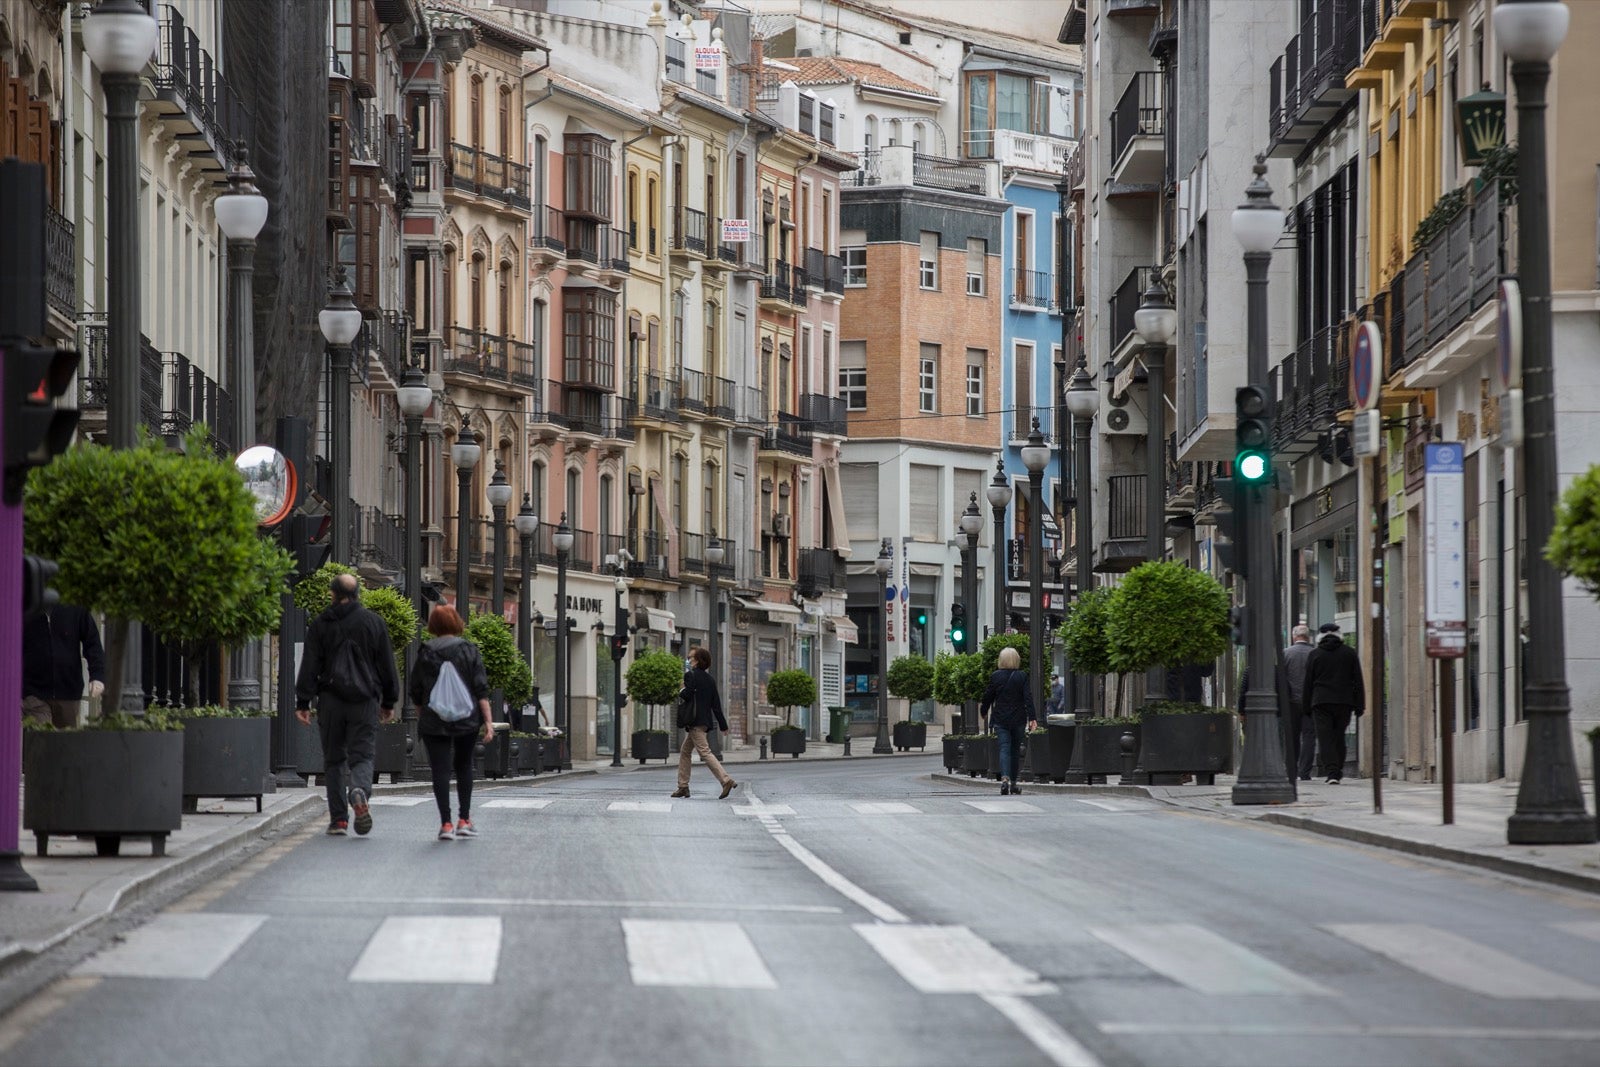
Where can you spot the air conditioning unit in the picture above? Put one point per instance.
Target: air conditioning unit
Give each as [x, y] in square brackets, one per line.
[1122, 412]
[782, 526]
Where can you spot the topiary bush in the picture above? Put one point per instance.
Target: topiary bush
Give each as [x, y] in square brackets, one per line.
[654, 677]
[1084, 632]
[1574, 545]
[313, 593]
[1166, 614]
[990, 650]
[911, 678]
[958, 677]
[502, 661]
[791, 689]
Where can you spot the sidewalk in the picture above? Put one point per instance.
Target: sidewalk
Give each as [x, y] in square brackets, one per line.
[1411, 821]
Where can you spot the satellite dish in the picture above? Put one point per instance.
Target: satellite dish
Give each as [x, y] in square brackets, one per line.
[271, 480]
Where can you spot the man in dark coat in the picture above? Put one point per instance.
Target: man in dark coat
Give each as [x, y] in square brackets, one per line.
[1295, 658]
[56, 643]
[348, 722]
[1333, 692]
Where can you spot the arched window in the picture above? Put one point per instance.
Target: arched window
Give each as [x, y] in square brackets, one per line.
[713, 364]
[708, 497]
[574, 515]
[536, 491]
[475, 117]
[869, 132]
[448, 287]
[507, 145]
[607, 524]
[475, 283]
[504, 298]
[652, 211]
[633, 210]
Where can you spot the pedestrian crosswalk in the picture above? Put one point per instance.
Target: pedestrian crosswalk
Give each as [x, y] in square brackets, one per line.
[508, 800]
[466, 949]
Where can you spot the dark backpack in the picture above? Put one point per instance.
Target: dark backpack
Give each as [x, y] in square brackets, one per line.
[688, 706]
[349, 676]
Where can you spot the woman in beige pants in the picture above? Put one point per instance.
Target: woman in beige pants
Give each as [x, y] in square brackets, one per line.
[699, 686]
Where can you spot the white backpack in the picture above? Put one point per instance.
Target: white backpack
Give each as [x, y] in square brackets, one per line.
[450, 698]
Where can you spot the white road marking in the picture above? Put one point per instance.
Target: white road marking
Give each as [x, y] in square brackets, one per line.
[712, 955]
[1062, 1048]
[176, 945]
[1203, 961]
[1004, 807]
[456, 949]
[884, 807]
[519, 803]
[1468, 1033]
[397, 802]
[660, 807]
[839, 883]
[951, 959]
[763, 810]
[554, 902]
[1454, 960]
[1107, 806]
[1591, 930]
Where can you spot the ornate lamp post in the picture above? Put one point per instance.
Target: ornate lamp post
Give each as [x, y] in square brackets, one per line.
[340, 322]
[464, 454]
[527, 524]
[884, 564]
[999, 494]
[120, 37]
[1550, 808]
[1083, 401]
[563, 543]
[415, 398]
[619, 649]
[970, 524]
[1036, 456]
[1263, 777]
[499, 494]
[1156, 321]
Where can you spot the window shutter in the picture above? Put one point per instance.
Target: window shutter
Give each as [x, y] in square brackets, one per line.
[925, 508]
[859, 482]
[967, 483]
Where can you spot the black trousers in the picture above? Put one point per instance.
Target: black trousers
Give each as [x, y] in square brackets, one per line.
[451, 753]
[1332, 721]
[349, 745]
[1308, 745]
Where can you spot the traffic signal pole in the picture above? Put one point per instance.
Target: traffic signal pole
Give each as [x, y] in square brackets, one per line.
[12, 876]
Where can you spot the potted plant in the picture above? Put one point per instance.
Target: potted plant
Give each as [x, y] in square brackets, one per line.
[119, 776]
[227, 753]
[978, 755]
[957, 678]
[1083, 635]
[1099, 744]
[653, 679]
[788, 690]
[1036, 754]
[910, 679]
[526, 753]
[510, 678]
[1167, 614]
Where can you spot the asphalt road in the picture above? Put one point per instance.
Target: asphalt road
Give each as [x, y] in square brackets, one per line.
[833, 913]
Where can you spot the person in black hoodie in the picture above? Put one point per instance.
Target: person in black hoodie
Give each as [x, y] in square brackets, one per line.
[348, 723]
[450, 744]
[1333, 691]
[699, 686]
[1011, 696]
[56, 643]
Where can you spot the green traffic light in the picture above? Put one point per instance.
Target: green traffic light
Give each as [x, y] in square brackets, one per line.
[957, 636]
[1251, 466]
[922, 618]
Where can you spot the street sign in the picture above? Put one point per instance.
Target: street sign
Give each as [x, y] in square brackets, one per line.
[1366, 433]
[1366, 366]
[707, 58]
[1446, 547]
[735, 231]
[1508, 364]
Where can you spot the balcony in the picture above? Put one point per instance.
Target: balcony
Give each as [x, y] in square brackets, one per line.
[775, 293]
[482, 174]
[383, 345]
[824, 272]
[1312, 386]
[727, 252]
[950, 174]
[475, 354]
[1030, 290]
[661, 398]
[189, 397]
[649, 549]
[690, 236]
[819, 570]
[547, 241]
[1124, 546]
[1387, 27]
[692, 552]
[60, 265]
[790, 435]
[596, 247]
[869, 170]
[579, 411]
[692, 391]
[723, 391]
[751, 569]
[616, 417]
[755, 412]
[1124, 302]
[197, 105]
[1180, 479]
[1138, 132]
[824, 414]
[1308, 80]
[1016, 148]
[380, 540]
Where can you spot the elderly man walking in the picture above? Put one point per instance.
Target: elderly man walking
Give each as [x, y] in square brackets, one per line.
[1304, 737]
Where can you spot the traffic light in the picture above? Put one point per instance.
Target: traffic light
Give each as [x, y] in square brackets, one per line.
[1252, 460]
[37, 574]
[922, 618]
[1239, 625]
[35, 429]
[958, 627]
[1231, 529]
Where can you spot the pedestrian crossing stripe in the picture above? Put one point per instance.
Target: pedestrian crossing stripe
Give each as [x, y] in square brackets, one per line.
[519, 803]
[397, 801]
[1004, 807]
[884, 807]
[662, 807]
[446, 949]
[704, 955]
[1450, 958]
[188, 945]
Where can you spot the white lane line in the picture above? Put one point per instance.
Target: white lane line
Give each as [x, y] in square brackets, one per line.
[951, 959]
[175, 945]
[1004, 807]
[884, 807]
[554, 902]
[1203, 961]
[1454, 960]
[839, 883]
[712, 955]
[397, 802]
[764, 811]
[1278, 1030]
[1062, 1048]
[519, 803]
[1591, 930]
[1103, 806]
[660, 807]
[432, 948]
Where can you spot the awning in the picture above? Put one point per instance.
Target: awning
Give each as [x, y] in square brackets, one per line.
[845, 629]
[841, 529]
[660, 621]
[780, 613]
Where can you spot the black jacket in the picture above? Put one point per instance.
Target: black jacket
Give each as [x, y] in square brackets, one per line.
[347, 621]
[1011, 696]
[468, 661]
[708, 701]
[55, 644]
[1333, 676]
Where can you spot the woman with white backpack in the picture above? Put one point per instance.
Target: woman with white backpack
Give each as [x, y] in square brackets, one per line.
[450, 690]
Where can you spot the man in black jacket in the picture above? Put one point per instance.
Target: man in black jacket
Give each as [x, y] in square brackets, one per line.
[349, 691]
[1333, 692]
[56, 643]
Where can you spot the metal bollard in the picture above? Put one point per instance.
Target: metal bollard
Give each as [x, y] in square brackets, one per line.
[847, 744]
[763, 746]
[1128, 744]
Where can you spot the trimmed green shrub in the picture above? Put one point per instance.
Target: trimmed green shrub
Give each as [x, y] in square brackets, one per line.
[1574, 545]
[1177, 707]
[215, 711]
[654, 677]
[911, 678]
[313, 593]
[1166, 614]
[990, 650]
[1084, 632]
[502, 661]
[791, 689]
[958, 677]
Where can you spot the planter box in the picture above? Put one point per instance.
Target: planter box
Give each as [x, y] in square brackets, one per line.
[1201, 745]
[392, 751]
[976, 755]
[494, 759]
[910, 735]
[1102, 747]
[650, 744]
[554, 753]
[1036, 756]
[527, 755]
[225, 758]
[788, 742]
[106, 783]
[952, 753]
[1063, 739]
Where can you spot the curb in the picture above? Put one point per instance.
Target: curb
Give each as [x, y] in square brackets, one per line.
[1055, 787]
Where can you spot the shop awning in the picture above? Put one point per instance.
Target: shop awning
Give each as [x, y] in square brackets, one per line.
[841, 530]
[660, 621]
[845, 629]
[779, 613]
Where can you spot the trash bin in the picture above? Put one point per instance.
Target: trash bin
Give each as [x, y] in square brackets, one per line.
[1063, 732]
[838, 725]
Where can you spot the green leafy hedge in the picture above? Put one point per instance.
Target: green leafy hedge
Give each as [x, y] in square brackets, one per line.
[654, 677]
[1166, 614]
[154, 720]
[215, 711]
[314, 593]
[1574, 545]
[1084, 632]
[911, 678]
[958, 677]
[502, 661]
[1178, 707]
[990, 650]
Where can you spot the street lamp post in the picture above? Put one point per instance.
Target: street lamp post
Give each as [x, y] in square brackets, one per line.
[414, 397]
[120, 37]
[884, 564]
[464, 454]
[619, 649]
[970, 524]
[563, 542]
[1550, 808]
[499, 494]
[1036, 456]
[716, 552]
[1156, 321]
[527, 524]
[241, 212]
[340, 322]
[1263, 777]
[1083, 401]
[999, 494]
